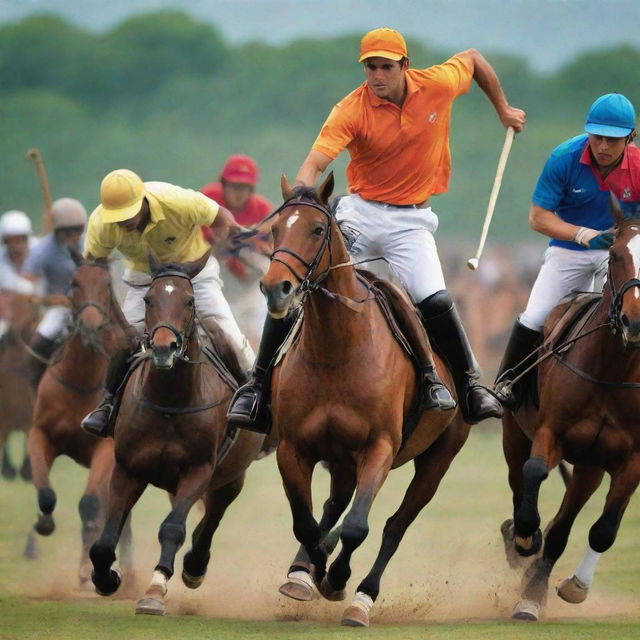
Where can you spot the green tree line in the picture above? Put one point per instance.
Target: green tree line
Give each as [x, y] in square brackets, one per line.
[169, 97]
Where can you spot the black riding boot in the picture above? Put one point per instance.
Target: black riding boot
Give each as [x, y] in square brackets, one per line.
[248, 408]
[522, 342]
[447, 334]
[43, 348]
[98, 421]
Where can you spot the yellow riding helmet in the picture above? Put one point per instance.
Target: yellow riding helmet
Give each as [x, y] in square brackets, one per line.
[121, 195]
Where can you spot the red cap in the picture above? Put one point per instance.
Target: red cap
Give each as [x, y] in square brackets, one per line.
[240, 168]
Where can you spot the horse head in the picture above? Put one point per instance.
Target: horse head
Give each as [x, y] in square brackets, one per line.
[91, 298]
[624, 272]
[301, 234]
[170, 311]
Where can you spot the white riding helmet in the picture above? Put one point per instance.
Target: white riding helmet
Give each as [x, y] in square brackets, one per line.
[15, 223]
[68, 212]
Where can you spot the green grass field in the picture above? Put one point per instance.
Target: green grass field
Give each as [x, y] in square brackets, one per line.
[448, 579]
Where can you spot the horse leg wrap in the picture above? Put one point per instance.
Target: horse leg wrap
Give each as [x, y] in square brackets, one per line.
[89, 507]
[603, 533]
[46, 500]
[527, 518]
[171, 537]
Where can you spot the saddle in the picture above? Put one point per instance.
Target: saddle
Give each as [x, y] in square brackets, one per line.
[566, 316]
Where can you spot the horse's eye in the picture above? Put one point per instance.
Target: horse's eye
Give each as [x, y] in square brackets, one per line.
[190, 303]
[318, 231]
[146, 300]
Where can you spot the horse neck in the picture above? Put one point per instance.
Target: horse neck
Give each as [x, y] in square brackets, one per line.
[328, 321]
[175, 386]
[80, 364]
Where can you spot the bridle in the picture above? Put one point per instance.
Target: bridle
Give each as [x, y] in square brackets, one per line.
[617, 297]
[311, 282]
[181, 338]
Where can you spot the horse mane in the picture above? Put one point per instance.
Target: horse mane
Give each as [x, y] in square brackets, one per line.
[302, 192]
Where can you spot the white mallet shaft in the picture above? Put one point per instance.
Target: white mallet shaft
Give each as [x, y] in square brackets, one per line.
[472, 263]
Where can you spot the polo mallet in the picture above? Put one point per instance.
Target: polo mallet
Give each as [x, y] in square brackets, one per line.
[472, 263]
[34, 155]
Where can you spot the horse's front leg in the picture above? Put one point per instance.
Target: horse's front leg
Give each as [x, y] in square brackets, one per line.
[296, 471]
[584, 481]
[373, 468]
[42, 454]
[545, 454]
[171, 535]
[603, 533]
[299, 583]
[124, 491]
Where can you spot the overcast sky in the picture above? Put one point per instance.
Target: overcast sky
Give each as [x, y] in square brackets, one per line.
[546, 32]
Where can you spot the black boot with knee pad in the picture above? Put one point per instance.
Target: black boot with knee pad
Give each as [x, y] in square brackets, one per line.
[447, 334]
[519, 355]
[248, 408]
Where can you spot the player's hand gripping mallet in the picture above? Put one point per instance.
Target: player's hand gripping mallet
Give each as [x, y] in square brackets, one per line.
[472, 263]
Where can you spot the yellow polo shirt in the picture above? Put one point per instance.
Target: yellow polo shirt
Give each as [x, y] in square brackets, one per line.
[173, 232]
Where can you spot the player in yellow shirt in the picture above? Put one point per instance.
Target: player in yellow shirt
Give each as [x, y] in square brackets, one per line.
[137, 218]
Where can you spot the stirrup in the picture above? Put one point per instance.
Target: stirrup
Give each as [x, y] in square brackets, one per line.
[253, 416]
[435, 396]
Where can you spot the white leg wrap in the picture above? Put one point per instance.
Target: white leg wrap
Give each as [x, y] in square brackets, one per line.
[303, 577]
[587, 567]
[363, 601]
[159, 580]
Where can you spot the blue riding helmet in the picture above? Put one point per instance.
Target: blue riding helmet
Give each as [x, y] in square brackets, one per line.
[611, 115]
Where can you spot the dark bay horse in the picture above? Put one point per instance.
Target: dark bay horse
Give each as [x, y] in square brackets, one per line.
[340, 396]
[16, 396]
[70, 387]
[171, 431]
[589, 406]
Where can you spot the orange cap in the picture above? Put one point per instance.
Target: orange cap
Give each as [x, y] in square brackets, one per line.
[383, 43]
[240, 168]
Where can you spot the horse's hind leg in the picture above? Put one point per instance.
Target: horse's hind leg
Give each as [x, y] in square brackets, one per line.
[42, 454]
[372, 473]
[584, 482]
[197, 558]
[25, 469]
[603, 533]
[430, 468]
[299, 584]
[8, 470]
[171, 535]
[124, 491]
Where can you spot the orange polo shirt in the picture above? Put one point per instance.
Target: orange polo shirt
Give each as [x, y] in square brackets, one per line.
[398, 155]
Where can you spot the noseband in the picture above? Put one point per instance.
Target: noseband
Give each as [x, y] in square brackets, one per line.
[181, 339]
[616, 298]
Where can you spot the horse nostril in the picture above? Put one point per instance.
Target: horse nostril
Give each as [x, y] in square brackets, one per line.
[174, 346]
[286, 287]
[624, 320]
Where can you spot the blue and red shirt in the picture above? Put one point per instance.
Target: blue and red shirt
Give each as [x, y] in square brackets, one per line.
[571, 186]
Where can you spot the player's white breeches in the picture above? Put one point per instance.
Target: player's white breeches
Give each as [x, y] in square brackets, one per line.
[54, 323]
[210, 302]
[402, 236]
[563, 272]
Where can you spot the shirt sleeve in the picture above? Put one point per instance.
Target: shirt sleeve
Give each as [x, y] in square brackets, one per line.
[34, 264]
[456, 73]
[199, 209]
[550, 188]
[336, 133]
[99, 240]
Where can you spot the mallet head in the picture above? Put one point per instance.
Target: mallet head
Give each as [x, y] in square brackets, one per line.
[472, 263]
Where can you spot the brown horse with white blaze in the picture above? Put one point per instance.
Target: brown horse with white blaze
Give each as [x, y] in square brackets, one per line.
[589, 403]
[341, 395]
[171, 431]
[70, 387]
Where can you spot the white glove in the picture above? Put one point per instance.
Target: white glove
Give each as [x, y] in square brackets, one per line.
[584, 235]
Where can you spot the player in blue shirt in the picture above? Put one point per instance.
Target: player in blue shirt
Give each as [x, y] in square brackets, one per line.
[570, 204]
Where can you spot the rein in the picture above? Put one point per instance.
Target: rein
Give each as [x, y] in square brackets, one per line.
[309, 284]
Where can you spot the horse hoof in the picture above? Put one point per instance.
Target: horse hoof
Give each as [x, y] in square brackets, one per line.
[526, 610]
[191, 582]
[45, 525]
[299, 586]
[572, 590]
[25, 473]
[150, 607]
[110, 585]
[329, 592]
[355, 617]
[527, 547]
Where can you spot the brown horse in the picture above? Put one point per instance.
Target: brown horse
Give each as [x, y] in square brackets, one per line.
[171, 431]
[589, 399]
[341, 395]
[69, 389]
[16, 397]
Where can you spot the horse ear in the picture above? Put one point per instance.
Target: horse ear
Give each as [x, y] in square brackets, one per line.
[192, 269]
[76, 256]
[285, 187]
[154, 263]
[616, 211]
[326, 189]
